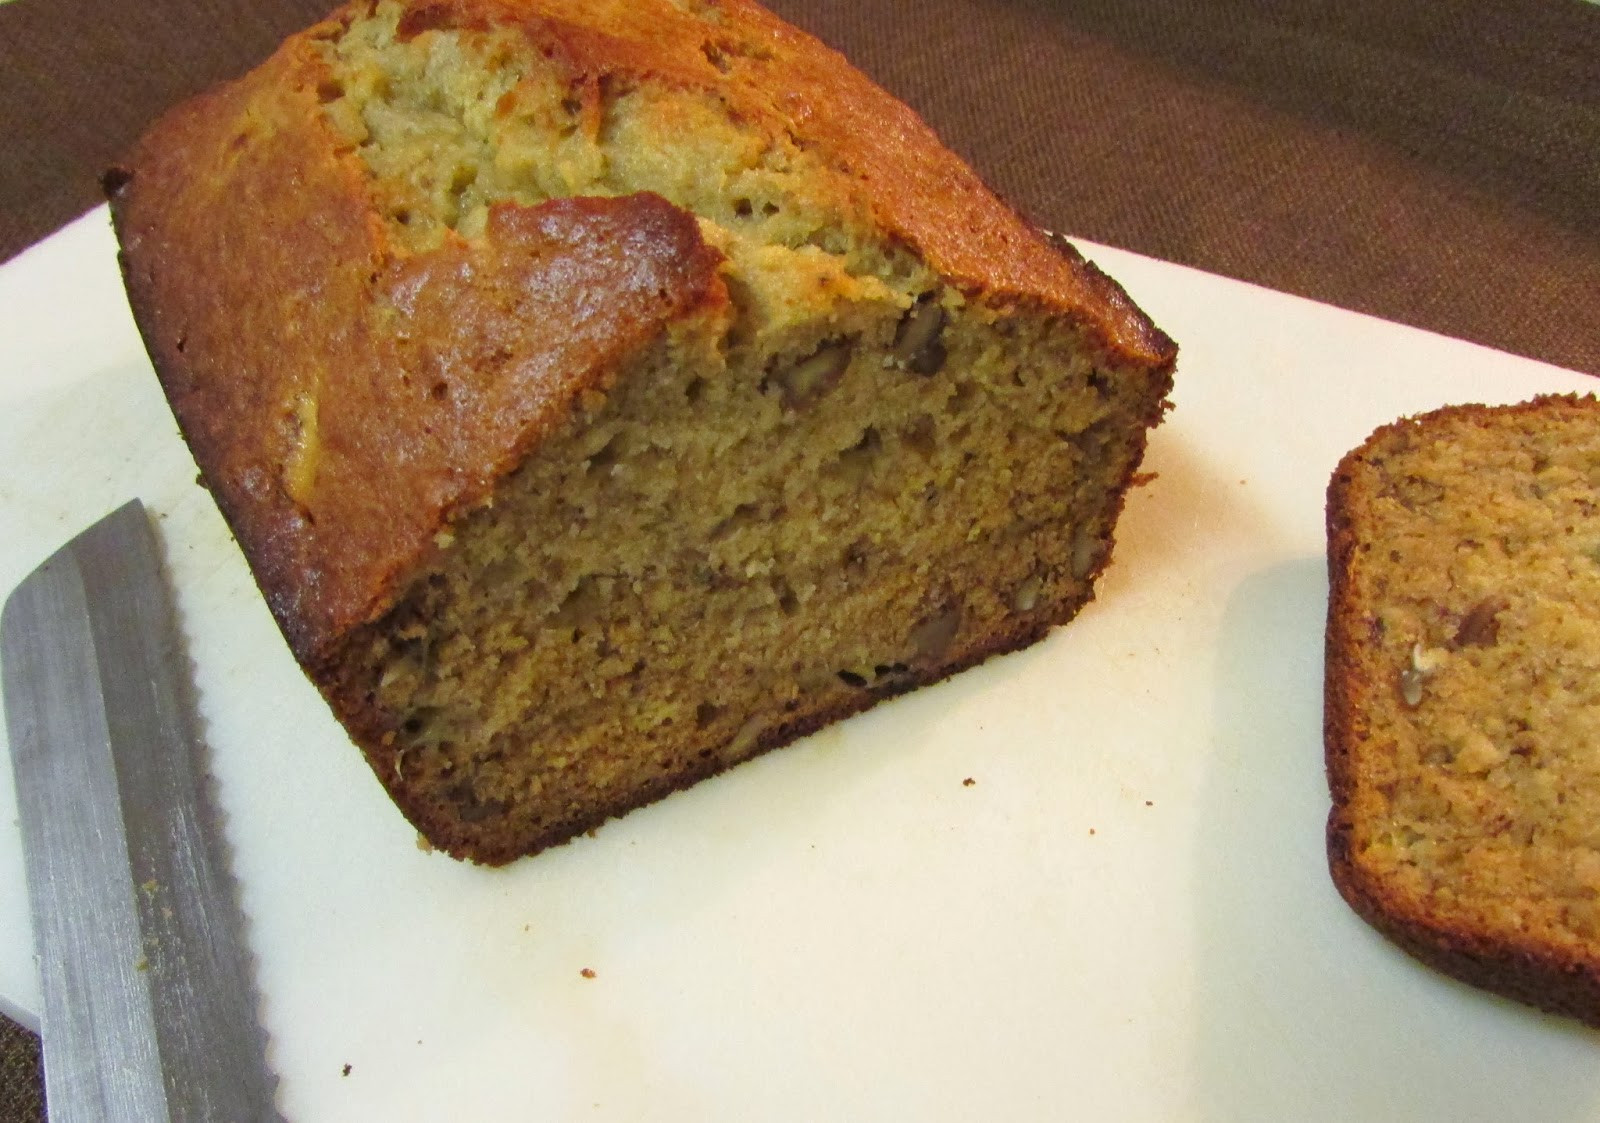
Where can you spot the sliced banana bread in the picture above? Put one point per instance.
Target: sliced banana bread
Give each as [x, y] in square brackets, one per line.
[1463, 694]
[604, 392]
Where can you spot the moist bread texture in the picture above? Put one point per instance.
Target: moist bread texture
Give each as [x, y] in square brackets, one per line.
[605, 392]
[1463, 694]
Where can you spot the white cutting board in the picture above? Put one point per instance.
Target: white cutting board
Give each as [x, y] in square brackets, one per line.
[1125, 915]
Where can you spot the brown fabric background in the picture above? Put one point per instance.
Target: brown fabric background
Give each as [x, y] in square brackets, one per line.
[21, 1098]
[1436, 164]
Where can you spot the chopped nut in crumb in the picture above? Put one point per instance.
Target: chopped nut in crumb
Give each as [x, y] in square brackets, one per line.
[1480, 627]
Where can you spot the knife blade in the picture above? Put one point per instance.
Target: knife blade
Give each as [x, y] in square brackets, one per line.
[149, 1009]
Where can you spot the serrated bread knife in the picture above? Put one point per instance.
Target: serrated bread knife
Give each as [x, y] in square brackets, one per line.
[149, 1010]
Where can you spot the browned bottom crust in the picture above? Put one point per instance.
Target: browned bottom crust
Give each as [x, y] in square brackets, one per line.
[1543, 979]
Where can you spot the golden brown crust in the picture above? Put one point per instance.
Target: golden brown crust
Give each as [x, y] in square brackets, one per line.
[780, 81]
[492, 353]
[1552, 971]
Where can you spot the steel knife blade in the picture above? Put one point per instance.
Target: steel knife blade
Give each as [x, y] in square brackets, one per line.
[149, 1007]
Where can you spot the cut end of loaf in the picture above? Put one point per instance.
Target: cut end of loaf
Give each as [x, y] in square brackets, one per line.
[738, 544]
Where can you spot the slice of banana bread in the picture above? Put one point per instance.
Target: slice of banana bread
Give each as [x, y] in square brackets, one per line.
[1463, 694]
[604, 391]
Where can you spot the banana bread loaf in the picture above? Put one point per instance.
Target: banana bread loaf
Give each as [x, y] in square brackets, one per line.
[605, 391]
[1463, 694]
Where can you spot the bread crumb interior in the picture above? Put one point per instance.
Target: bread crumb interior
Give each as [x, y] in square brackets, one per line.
[1483, 563]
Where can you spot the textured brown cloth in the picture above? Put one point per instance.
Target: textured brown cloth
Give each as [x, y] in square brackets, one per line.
[21, 1098]
[1430, 163]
